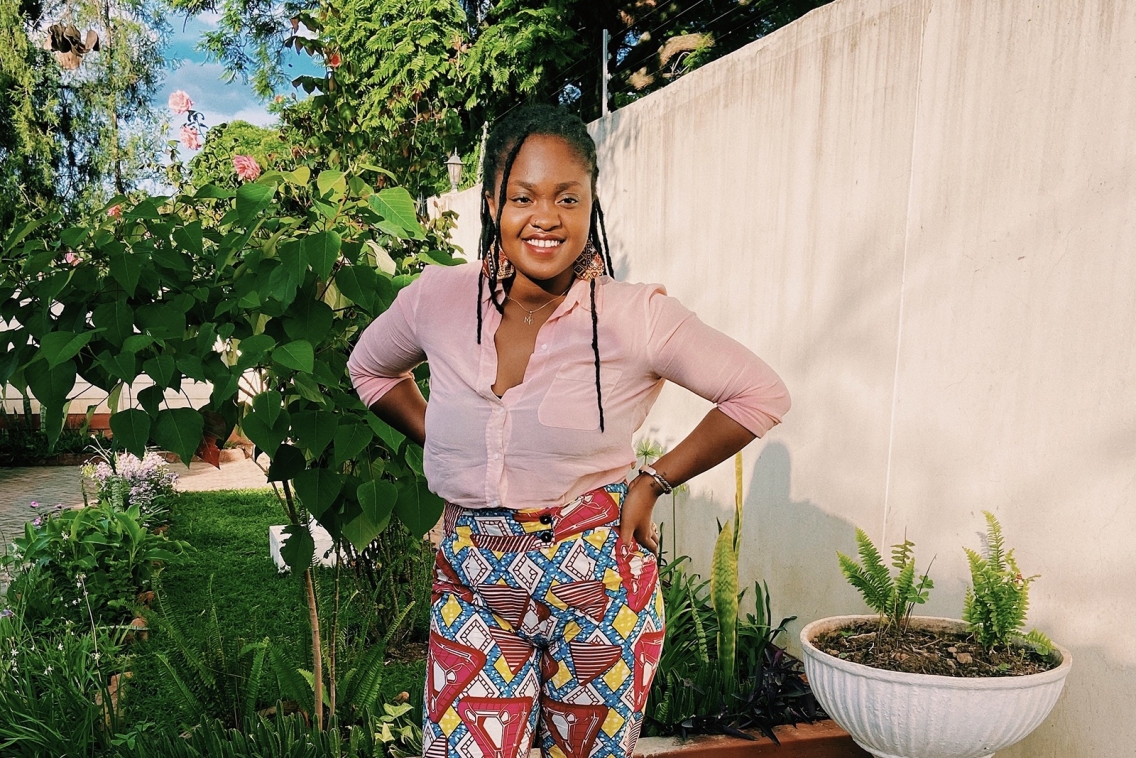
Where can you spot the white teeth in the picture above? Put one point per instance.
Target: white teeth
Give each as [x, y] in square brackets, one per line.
[544, 243]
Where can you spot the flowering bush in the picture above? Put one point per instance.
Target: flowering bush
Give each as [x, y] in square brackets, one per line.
[124, 480]
[85, 565]
[246, 167]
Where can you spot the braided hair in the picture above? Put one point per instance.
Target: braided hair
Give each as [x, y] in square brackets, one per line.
[501, 150]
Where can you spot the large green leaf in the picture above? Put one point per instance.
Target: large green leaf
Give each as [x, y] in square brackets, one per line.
[126, 267]
[292, 261]
[299, 548]
[314, 430]
[286, 463]
[163, 320]
[131, 430]
[309, 320]
[269, 405]
[377, 500]
[189, 238]
[123, 365]
[360, 284]
[397, 206]
[417, 507]
[116, 319]
[57, 347]
[50, 384]
[298, 356]
[350, 440]
[179, 430]
[317, 489]
[264, 435]
[252, 198]
[161, 369]
[386, 432]
[331, 181]
[151, 399]
[321, 250]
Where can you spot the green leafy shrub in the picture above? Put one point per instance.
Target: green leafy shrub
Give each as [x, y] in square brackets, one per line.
[997, 600]
[216, 675]
[893, 598]
[85, 564]
[283, 737]
[691, 694]
[53, 688]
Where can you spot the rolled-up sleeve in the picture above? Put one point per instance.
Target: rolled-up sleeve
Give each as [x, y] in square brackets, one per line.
[388, 349]
[682, 349]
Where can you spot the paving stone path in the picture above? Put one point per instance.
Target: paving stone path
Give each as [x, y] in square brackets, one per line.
[49, 485]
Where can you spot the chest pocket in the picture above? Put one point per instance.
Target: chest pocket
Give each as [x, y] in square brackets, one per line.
[571, 399]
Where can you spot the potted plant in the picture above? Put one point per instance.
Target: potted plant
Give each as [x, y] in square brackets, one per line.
[922, 687]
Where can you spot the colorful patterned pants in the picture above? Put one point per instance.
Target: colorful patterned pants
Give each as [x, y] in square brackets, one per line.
[541, 616]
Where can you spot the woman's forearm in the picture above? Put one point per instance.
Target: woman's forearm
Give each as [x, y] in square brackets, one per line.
[404, 408]
[716, 438]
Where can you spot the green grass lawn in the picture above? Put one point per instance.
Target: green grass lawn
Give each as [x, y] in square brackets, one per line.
[229, 534]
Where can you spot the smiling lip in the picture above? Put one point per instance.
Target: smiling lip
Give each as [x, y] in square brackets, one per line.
[543, 245]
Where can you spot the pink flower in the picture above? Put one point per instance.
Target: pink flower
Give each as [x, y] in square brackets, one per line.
[190, 137]
[71, 259]
[115, 211]
[180, 102]
[246, 167]
[334, 60]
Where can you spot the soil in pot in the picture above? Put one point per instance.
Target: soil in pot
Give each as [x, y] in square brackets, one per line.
[921, 651]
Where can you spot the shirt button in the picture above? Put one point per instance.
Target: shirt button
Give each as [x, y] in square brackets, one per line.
[545, 537]
[544, 347]
[546, 519]
[494, 503]
[496, 456]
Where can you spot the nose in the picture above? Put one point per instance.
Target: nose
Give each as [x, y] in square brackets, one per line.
[544, 216]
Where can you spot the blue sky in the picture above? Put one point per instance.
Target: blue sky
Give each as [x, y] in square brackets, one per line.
[201, 79]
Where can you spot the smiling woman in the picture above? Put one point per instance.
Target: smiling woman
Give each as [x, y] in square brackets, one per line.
[546, 606]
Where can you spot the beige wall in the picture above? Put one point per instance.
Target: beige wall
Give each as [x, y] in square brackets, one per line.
[921, 214]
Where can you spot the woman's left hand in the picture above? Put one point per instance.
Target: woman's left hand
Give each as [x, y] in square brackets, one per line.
[635, 514]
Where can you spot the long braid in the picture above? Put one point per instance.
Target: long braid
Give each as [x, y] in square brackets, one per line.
[483, 246]
[596, 350]
[603, 231]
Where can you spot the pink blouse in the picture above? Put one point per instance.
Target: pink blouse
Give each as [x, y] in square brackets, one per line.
[540, 444]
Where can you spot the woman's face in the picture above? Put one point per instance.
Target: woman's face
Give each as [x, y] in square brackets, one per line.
[547, 213]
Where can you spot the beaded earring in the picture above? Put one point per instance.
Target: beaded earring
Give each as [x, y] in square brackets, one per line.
[589, 265]
[496, 260]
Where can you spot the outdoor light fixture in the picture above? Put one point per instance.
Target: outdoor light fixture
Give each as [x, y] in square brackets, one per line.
[454, 166]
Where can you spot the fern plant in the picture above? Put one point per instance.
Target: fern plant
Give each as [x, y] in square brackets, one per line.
[893, 598]
[997, 601]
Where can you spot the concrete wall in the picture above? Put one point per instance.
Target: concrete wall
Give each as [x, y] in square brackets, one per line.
[920, 213]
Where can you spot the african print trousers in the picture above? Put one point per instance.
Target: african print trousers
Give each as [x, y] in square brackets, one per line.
[541, 618]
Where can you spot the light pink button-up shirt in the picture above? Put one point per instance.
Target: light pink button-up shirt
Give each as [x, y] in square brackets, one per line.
[540, 444]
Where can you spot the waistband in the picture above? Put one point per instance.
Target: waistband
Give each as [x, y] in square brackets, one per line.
[593, 509]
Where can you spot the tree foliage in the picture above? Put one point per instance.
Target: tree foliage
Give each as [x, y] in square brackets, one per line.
[69, 139]
[408, 81]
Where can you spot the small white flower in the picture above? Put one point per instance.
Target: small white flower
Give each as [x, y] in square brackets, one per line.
[96, 656]
[60, 645]
[48, 670]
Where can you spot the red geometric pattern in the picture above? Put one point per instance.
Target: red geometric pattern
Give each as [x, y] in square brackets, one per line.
[516, 651]
[507, 543]
[447, 580]
[590, 510]
[510, 603]
[453, 667]
[648, 650]
[589, 660]
[574, 727]
[639, 573]
[589, 596]
[497, 724]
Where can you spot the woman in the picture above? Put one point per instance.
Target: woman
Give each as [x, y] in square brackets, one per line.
[541, 368]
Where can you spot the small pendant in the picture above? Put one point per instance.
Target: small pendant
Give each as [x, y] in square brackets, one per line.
[529, 318]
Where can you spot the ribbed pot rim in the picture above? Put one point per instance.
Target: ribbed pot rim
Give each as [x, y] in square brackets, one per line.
[926, 680]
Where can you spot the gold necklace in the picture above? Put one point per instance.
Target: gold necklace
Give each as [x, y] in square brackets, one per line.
[529, 314]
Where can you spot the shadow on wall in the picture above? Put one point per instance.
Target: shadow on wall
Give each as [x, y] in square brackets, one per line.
[790, 544]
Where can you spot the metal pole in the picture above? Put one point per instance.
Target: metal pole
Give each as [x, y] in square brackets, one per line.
[603, 72]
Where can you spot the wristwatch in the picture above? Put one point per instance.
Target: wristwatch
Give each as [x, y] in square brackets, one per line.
[649, 471]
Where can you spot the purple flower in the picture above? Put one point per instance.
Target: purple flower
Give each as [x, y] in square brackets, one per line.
[38, 521]
[6, 613]
[35, 504]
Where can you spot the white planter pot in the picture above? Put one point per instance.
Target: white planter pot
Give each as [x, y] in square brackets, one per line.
[894, 714]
